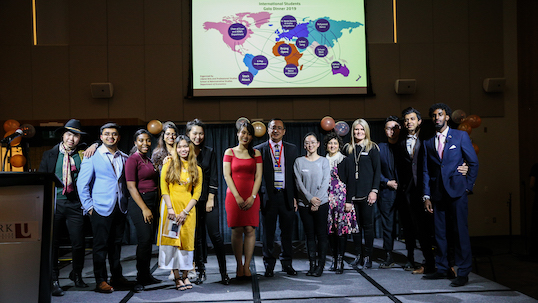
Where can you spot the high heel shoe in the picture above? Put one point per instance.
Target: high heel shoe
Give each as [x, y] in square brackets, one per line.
[201, 277]
[225, 279]
[187, 283]
[179, 284]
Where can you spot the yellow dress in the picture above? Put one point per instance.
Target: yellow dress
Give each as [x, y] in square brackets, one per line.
[180, 195]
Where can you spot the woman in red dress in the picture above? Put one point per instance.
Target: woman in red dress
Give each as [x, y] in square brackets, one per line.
[242, 168]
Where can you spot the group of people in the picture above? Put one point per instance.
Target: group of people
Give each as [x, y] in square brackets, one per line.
[426, 180]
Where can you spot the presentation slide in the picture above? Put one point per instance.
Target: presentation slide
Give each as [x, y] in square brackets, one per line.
[267, 48]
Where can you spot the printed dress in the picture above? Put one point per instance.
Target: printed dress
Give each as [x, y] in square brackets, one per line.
[339, 221]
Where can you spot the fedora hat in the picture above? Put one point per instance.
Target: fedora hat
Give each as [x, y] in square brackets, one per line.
[73, 126]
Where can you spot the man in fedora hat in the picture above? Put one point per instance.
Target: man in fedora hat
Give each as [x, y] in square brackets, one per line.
[64, 160]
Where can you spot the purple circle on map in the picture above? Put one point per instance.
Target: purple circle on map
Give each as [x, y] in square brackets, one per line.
[288, 22]
[246, 78]
[260, 62]
[284, 50]
[321, 51]
[336, 65]
[302, 43]
[237, 31]
[322, 25]
[291, 70]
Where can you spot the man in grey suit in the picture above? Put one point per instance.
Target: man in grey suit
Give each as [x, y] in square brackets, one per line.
[278, 196]
[103, 193]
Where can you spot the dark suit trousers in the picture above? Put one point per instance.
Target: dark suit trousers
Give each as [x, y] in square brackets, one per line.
[208, 221]
[145, 232]
[68, 213]
[386, 209]
[107, 237]
[276, 209]
[456, 211]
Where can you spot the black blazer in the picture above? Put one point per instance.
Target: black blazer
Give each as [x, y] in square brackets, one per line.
[267, 189]
[409, 169]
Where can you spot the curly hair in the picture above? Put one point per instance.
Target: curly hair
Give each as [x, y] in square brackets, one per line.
[161, 151]
[329, 137]
[442, 106]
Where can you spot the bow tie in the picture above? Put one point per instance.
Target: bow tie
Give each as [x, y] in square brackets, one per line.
[412, 137]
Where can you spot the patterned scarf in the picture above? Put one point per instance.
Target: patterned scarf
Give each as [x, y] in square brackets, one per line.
[68, 167]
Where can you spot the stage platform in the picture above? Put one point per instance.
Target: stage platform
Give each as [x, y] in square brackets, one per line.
[370, 285]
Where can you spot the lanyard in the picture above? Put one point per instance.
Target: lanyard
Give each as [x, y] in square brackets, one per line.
[277, 161]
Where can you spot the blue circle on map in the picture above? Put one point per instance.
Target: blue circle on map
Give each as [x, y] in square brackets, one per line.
[321, 51]
[260, 62]
[288, 22]
[302, 43]
[246, 78]
[336, 65]
[322, 25]
[237, 31]
[291, 70]
[284, 50]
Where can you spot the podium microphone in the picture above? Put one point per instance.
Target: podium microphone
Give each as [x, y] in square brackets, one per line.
[19, 132]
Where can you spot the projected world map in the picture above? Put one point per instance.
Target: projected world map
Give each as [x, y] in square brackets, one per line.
[285, 48]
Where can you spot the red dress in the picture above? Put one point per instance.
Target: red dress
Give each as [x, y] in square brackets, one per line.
[243, 173]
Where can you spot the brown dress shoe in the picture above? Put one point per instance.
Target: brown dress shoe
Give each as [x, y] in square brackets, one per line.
[103, 287]
[451, 273]
[419, 271]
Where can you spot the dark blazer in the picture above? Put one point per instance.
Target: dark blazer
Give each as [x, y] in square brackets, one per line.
[267, 189]
[442, 175]
[369, 173]
[388, 165]
[410, 169]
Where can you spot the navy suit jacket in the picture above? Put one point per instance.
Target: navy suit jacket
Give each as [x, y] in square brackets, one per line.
[442, 175]
[388, 170]
[267, 189]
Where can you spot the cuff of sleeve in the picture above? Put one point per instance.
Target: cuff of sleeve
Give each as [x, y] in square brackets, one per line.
[426, 197]
[375, 190]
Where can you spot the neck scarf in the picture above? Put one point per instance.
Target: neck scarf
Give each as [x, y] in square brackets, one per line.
[68, 167]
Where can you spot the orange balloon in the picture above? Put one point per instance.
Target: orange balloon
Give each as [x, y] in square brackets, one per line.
[17, 161]
[155, 127]
[327, 123]
[458, 116]
[29, 130]
[465, 126]
[15, 141]
[474, 120]
[11, 125]
[259, 129]
[476, 149]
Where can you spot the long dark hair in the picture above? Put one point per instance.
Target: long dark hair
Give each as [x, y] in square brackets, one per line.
[161, 152]
[195, 122]
[136, 134]
[250, 130]
[173, 174]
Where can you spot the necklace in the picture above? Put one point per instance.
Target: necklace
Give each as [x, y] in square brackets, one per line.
[147, 161]
[357, 160]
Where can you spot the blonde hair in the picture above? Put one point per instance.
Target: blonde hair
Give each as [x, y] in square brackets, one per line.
[173, 175]
[366, 142]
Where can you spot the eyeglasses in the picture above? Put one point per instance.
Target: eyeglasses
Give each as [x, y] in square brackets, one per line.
[276, 127]
[395, 127]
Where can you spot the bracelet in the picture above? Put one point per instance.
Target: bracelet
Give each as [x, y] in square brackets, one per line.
[186, 212]
[170, 207]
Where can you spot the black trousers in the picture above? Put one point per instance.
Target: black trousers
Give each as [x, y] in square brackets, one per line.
[107, 236]
[365, 218]
[386, 207]
[315, 227]
[68, 213]
[208, 222]
[145, 232]
[276, 209]
[417, 225]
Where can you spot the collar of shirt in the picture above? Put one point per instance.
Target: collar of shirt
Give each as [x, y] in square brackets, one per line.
[273, 144]
[104, 151]
[444, 133]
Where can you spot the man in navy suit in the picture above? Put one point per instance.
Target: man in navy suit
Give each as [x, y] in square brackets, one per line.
[103, 193]
[278, 197]
[388, 187]
[446, 190]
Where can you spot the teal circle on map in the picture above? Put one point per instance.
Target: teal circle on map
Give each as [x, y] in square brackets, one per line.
[237, 31]
[321, 51]
[336, 65]
[284, 50]
[322, 25]
[288, 22]
[301, 43]
[260, 62]
[246, 78]
[291, 70]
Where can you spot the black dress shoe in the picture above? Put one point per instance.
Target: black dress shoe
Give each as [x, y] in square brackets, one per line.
[388, 263]
[77, 278]
[312, 268]
[121, 283]
[269, 273]
[318, 272]
[224, 279]
[56, 290]
[459, 281]
[138, 288]
[289, 270]
[148, 280]
[201, 278]
[409, 266]
[435, 276]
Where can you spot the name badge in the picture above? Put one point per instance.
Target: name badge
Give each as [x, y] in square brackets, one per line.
[364, 154]
[279, 176]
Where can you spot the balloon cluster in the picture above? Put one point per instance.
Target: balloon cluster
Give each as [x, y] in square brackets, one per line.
[341, 128]
[467, 123]
[28, 131]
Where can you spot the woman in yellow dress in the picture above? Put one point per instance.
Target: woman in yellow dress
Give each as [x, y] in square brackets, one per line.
[181, 186]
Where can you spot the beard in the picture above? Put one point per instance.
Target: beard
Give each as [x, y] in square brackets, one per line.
[439, 126]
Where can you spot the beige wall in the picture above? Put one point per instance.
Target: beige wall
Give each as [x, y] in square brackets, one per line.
[142, 47]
